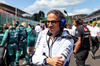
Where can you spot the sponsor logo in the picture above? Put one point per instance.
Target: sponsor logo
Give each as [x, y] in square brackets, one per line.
[43, 45]
[69, 46]
[76, 32]
[85, 29]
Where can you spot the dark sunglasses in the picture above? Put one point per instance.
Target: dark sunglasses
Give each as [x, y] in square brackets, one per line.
[52, 22]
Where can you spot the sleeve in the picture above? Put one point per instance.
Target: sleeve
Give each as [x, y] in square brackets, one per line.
[77, 32]
[38, 40]
[38, 57]
[98, 29]
[40, 29]
[66, 50]
[35, 28]
[4, 38]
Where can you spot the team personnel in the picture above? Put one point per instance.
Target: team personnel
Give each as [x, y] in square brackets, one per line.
[82, 46]
[54, 48]
[11, 36]
[22, 42]
[29, 25]
[95, 34]
[30, 39]
[5, 27]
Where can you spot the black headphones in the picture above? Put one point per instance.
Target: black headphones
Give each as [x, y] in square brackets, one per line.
[78, 21]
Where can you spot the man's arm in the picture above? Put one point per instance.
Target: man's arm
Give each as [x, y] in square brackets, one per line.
[38, 40]
[99, 34]
[77, 46]
[55, 61]
[90, 38]
[63, 53]
[4, 38]
[38, 57]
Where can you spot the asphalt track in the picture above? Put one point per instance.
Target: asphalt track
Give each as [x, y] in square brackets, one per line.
[89, 62]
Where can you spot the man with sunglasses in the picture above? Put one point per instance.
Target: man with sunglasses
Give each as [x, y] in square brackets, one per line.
[54, 48]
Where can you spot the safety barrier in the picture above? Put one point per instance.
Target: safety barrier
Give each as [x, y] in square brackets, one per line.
[4, 18]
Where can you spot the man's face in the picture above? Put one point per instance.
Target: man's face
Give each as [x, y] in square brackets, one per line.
[74, 23]
[7, 25]
[53, 23]
[14, 23]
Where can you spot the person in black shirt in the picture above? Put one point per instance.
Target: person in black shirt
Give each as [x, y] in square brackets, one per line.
[82, 46]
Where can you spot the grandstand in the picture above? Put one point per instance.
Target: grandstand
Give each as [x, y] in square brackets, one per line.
[95, 16]
[10, 13]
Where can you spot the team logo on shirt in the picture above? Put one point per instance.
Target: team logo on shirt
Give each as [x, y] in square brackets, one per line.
[69, 46]
[76, 32]
[85, 29]
[43, 45]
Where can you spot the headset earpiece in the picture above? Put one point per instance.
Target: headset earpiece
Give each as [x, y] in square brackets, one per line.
[62, 23]
[77, 21]
[61, 17]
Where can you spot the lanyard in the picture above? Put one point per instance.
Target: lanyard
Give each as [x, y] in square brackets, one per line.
[50, 47]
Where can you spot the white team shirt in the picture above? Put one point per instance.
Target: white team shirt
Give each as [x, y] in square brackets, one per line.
[41, 34]
[73, 28]
[38, 28]
[71, 31]
[94, 31]
[89, 27]
[61, 47]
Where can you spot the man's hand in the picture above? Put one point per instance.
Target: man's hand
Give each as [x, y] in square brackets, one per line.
[75, 55]
[55, 61]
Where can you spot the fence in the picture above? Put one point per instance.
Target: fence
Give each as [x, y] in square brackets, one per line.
[4, 18]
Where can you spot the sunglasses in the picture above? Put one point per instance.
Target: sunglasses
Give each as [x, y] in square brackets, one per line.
[52, 22]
